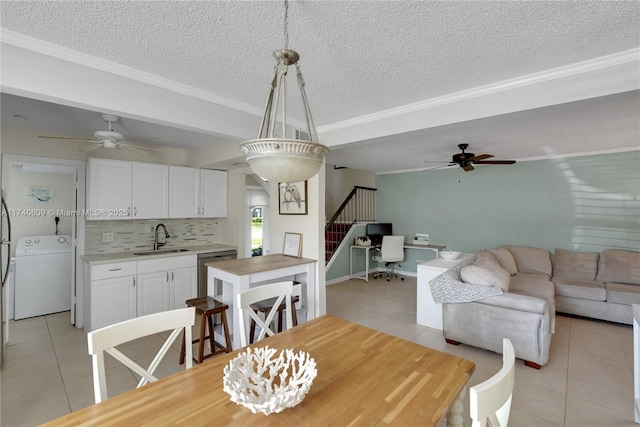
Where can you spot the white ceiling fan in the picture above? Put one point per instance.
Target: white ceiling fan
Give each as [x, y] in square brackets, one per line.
[106, 138]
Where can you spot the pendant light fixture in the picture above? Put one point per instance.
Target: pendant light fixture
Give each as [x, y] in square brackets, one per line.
[272, 155]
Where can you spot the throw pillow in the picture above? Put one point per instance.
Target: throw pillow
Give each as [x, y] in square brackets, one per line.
[575, 265]
[486, 276]
[619, 266]
[505, 259]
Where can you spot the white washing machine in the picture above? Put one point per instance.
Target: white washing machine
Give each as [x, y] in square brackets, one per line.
[42, 276]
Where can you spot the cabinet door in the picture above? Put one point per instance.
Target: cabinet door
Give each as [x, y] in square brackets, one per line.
[184, 286]
[150, 191]
[153, 292]
[213, 193]
[113, 301]
[184, 192]
[108, 189]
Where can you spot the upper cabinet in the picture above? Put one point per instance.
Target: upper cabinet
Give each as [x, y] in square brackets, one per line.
[150, 197]
[108, 189]
[197, 193]
[213, 193]
[118, 189]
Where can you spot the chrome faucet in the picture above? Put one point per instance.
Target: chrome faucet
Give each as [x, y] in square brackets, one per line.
[156, 244]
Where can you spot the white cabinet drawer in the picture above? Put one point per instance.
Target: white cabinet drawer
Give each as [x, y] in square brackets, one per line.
[109, 271]
[167, 263]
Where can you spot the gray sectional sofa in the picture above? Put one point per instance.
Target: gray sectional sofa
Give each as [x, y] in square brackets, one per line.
[535, 284]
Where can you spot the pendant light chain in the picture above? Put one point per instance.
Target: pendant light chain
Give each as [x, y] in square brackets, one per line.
[286, 24]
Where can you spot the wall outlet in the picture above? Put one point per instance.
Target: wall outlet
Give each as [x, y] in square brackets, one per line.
[107, 237]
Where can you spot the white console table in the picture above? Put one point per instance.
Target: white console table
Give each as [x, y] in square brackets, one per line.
[636, 360]
[226, 279]
[428, 312]
[367, 249]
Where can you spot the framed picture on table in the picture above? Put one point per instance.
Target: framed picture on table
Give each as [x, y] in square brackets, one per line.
[292, 245]
[292, 198]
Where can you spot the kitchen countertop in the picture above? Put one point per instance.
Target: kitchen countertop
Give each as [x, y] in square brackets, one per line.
[97, 259]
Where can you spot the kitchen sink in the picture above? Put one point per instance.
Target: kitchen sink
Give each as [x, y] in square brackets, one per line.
[161, 252]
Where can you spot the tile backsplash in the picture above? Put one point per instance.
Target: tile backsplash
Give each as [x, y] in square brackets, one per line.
[135, 235]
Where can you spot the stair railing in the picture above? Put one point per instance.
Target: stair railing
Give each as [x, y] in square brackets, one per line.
[358, 206]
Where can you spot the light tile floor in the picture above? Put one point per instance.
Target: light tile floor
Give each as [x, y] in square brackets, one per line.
[587, 382]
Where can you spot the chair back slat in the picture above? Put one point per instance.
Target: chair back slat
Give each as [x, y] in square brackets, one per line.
[105, 340]
[281, 291]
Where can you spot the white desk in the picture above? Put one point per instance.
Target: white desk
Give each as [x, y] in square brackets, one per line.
[367, 249]
[226, 279]
[428, 313]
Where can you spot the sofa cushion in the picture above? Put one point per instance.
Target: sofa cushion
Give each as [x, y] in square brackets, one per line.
[531, 260]
[506, 260]
[540, 288]
[619, 266]
[486, 276]
[576, 265]
[485, 257]
[622, 293]
[583, 289]
[538, 276]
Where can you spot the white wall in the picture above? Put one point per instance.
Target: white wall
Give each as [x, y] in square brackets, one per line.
[25, 211]
[340, 182]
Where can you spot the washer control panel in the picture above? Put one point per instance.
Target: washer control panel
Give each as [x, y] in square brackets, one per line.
[43, 243]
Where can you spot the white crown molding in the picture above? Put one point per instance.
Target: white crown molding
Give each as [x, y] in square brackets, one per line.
[60, 52]
[610, 61]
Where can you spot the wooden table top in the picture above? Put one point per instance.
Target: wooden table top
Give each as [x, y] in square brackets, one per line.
[365, 377]
[244, 266]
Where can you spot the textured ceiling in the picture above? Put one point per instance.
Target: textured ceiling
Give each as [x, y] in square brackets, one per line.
[358, 57]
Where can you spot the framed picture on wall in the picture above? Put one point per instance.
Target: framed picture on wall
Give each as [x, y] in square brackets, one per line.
[292, 198]
[292, 245]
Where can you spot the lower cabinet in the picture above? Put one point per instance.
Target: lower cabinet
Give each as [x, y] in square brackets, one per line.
[121, 291]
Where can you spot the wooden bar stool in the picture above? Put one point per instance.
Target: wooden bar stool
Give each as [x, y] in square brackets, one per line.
[265, 308]
[207, 307]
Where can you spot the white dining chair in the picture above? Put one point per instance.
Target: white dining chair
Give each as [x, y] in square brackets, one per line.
[491, 399]
[104, 340]
[281, 291]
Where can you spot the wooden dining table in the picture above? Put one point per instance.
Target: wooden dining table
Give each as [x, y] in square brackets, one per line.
[365, 377]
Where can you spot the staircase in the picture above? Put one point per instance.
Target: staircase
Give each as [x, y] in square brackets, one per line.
[358, 206]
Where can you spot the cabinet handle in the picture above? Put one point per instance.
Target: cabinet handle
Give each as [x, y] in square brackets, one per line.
[135, 211]
[203, 211]
[167, 276]
[198, 210]
[134, 282]
[172, 276]
[115, 269]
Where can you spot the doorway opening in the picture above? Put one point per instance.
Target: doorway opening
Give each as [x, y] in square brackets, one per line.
[256, 231]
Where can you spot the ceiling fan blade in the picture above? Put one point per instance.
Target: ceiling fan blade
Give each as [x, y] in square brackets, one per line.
[132, 148]
[92, 147]
[439, 167]
[495, 162]
[480, 157]
[67, 138]
[467, 168]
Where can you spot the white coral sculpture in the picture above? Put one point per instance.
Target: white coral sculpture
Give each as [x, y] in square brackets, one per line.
[262, 383]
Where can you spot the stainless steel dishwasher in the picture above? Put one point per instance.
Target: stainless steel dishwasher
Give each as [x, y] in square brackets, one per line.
[204, 258]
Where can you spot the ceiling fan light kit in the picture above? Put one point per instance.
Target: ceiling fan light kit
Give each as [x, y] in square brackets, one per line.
[272, 155]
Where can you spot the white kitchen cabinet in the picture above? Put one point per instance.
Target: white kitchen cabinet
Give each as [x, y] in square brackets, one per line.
[110, 294]
[213, 193]
[184, 192]
[196, 193]
[109, 189]
[150, 191]
[166, 283]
